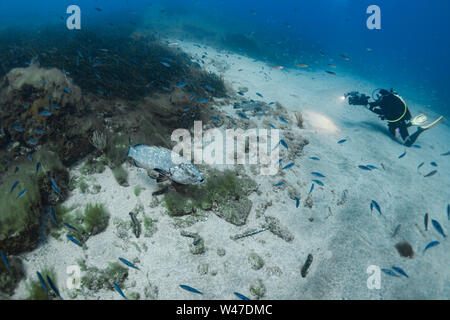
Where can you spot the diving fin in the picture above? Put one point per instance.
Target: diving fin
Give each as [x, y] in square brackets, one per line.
[431, 125]
[419, 120]
[412, 138]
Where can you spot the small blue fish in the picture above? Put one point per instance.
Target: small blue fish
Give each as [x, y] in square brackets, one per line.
[430, 245]
[448, 212]
[80, 54]
[259, 94]
[187, 288]
[402, 155]
[371, 206]
[445, 154]
[38, 165]
[290, 165]
[364, 168]
[98, 76]
[53, 216]
[100, 92]
[119, 290]
[128, 263]
[318, 174]
[56, 189]
[208, 87]
[279, 184]
[55, 186]
[431, 173]
[54, 106]
[283, 119]
[32, 141]
[320, 183]
[297, 202]
[18, 128]
[30, 157]
[41, 280]
[312, 188]
[341, 141]
[165, 64]
[181, 84]
[5, 261]
[52, 285]
[44, 82]
[416, 146]
[420, 165]
[38, 131]
[66, 89]
[215, 118]
[284, 144]
[376, 206]
[434, 164]
[272, 126]
[70, 227]
[73, 240]
[192, 97]
[21, 193]
[242, 115]
[187, 108]
[315, 158]
[438, 227]
[203, 100]
[96, 64]
[390, 272]
[16, 170]
[425, 221]
[26, 106]
[14, 186]
[241, 296]
[371, 167]
[45, 113]
[399, 270]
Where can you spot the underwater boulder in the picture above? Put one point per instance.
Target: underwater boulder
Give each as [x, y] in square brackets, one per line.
[225, 193]
[10, 280]
[19, 215]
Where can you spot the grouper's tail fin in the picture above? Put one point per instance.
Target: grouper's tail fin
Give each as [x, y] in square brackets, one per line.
[129, 148]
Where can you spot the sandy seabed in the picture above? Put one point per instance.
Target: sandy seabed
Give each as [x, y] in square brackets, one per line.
[344, 236]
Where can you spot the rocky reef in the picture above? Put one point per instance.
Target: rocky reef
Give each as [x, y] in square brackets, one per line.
[224, 193]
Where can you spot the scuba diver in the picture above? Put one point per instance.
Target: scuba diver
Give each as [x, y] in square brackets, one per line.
[392, 108]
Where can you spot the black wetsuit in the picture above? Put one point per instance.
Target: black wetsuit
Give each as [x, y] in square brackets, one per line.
[391, 108]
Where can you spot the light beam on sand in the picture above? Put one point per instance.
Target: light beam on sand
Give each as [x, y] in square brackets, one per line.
[320, 122]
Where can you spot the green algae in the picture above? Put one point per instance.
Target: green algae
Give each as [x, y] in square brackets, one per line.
[121, 175]
[96, 219]
[138, 190]
[34, 287]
